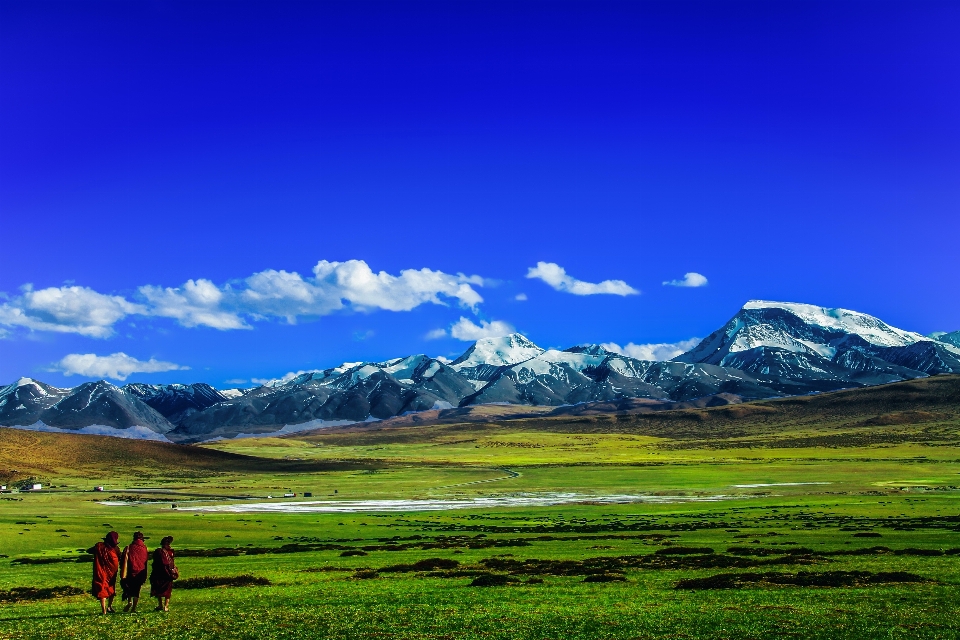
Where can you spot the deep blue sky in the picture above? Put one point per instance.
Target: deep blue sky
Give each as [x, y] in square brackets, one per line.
[801, 151]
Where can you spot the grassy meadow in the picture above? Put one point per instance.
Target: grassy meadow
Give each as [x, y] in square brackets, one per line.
[834, 516]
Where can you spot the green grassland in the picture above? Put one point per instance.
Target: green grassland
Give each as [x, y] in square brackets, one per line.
[871, 550]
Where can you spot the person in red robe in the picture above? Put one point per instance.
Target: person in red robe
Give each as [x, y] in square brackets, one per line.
[133, 571]
[162, 574]
[105, 565]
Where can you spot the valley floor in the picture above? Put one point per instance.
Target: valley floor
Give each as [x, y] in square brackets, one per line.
[817, 532]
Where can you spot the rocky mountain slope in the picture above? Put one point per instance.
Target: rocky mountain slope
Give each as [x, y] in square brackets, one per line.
[797, 348]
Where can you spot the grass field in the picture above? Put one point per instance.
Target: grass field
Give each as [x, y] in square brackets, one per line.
[836, 516]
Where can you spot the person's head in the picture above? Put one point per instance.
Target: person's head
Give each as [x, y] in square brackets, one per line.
[167, 541]
[137, 535]
[111, 538]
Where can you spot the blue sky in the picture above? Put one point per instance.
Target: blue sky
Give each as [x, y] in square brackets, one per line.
[162, 163]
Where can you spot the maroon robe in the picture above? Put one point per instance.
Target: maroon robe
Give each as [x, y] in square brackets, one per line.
[161, 574]
[134, 569]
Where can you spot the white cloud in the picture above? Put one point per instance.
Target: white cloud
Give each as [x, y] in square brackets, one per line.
[67, 310]
[237, 381]
[196, 303]
[435, 334]
[263, 295]
[116, 366]
[466, 330]
[522, 297]
[657, 351]
[443, 359]
[691, 279]
[355, 282]
[557, 277]
[285, 378]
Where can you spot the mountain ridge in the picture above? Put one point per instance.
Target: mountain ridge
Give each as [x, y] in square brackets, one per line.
[768, 349]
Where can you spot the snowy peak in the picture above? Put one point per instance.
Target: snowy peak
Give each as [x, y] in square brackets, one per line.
[497, 352]
[869, 328]
[788, 344]
[590, 349]
[952, 338]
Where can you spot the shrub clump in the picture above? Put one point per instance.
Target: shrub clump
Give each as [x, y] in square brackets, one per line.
[18, 594]
[606, 577]
[427, 564]
[799, 579]
[353, 552]
[492, 580]
[207, 582]
[683, 551]
[365, 574]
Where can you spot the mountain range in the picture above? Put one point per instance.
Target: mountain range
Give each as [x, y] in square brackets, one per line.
[768, 349]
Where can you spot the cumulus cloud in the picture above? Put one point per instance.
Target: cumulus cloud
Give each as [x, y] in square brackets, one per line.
[284, 379]
[657, 351]
[465, 329]
[116, 366]
[435, 334]
[691, 279]
[522, 297]
[67, 310]
[557, 277]
[355, 282]
[196, 303]
[334, 286]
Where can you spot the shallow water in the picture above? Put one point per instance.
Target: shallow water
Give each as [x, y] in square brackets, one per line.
[775, 484]
[521, 500]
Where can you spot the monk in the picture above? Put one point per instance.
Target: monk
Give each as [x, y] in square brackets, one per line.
[105, 565]
[133, 571]
[162, 574]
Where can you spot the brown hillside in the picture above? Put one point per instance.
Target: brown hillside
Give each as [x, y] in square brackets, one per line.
[38, 453]
[923, 401]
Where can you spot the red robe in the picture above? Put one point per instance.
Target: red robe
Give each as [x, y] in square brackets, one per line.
[105, 565]
[134, 570]
[161, 574]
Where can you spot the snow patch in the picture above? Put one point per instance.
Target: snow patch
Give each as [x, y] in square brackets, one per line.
[130, 433]
[296, 428]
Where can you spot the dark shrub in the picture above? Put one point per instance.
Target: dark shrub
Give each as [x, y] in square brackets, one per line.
[683, 551]
[366, 574]
[491, 580]
[606, 577]
[207, 582]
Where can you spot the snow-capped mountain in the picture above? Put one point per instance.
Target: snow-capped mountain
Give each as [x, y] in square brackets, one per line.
[176, 401]
[481, 362]
[93, 407]
[590, 373]
[800, 347]
[510, 370]
[351, 392]
[952, 338]
[767, 349]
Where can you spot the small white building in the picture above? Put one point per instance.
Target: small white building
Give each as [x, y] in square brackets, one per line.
[98, 488]
[36, 487]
